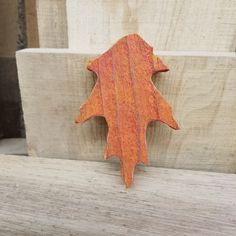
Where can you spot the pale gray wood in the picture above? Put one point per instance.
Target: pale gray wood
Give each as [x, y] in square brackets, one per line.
[201, 88]
[167, 24]
[40, 196]
[52, 23]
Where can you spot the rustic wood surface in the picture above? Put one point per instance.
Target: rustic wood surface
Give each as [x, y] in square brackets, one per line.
[52, 23]
[126, 97]
[40, 196]
[166, 24]
[200, 87]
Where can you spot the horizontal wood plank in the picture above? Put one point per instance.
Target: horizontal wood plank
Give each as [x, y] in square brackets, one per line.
[40, 196]
[201, 89]
[167, 24]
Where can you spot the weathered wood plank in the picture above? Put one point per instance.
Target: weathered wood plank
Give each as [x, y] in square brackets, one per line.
[167, 24]
[200, 87]
[64, 197]
[52, 23]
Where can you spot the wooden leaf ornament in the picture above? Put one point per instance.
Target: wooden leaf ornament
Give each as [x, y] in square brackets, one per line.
[125, 95]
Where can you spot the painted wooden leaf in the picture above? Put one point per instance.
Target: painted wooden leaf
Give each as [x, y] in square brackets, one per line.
[125, 95]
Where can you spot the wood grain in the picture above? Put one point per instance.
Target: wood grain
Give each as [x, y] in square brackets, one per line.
[41, 196]
[52, 23]
[200, 87]
[128, 100]
[166, 24]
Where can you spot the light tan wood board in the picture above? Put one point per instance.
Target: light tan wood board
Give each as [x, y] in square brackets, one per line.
[166, 24]
[31, 24]
[64, 197]
[200, 87]
[8, 28]
[52, 23]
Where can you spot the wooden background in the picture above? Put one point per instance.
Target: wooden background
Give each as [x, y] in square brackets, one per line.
[168, 25]
[51, 196]
[200, 87]
[88, 25]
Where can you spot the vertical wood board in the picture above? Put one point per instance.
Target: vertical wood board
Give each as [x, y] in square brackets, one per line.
[52, 23]
[204, 25]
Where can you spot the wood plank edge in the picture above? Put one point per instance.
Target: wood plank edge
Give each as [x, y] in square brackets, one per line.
[160, 53]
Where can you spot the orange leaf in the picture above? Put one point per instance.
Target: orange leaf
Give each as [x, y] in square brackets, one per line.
[125, 95]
